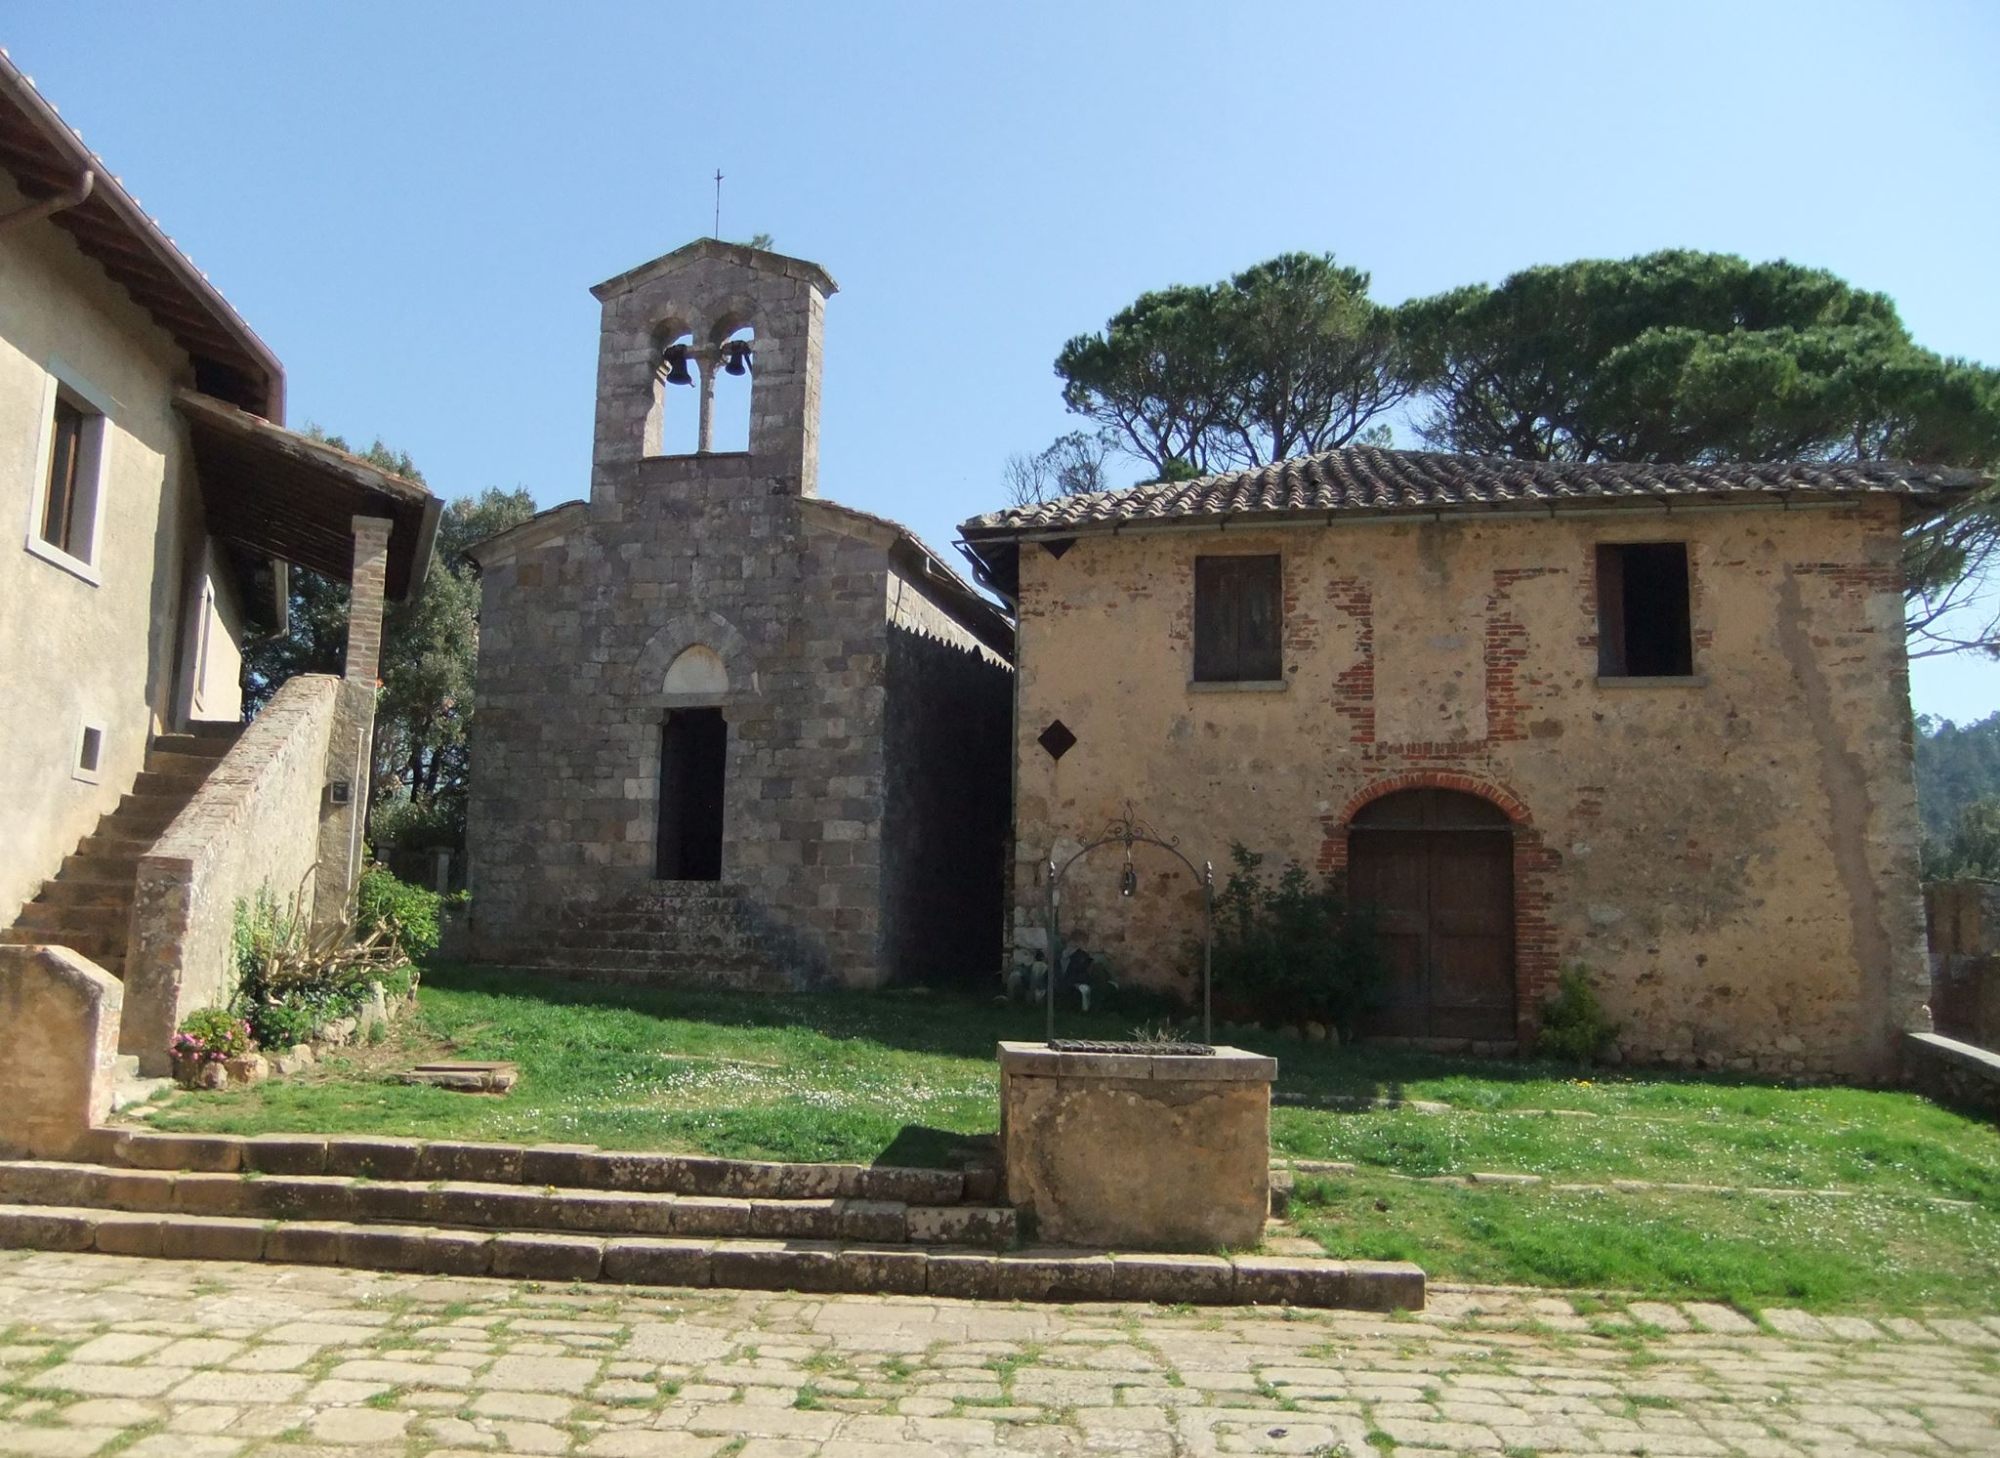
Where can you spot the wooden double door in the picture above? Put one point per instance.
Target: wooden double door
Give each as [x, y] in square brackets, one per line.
[1438, 866]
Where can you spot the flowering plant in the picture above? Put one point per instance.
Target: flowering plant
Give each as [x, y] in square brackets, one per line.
[211, 1035]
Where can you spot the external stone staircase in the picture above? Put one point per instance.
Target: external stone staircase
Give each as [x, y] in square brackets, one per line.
[87, 907]
[684, 934]
[569, 1213]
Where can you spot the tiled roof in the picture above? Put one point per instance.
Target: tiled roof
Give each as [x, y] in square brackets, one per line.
[1365, 481]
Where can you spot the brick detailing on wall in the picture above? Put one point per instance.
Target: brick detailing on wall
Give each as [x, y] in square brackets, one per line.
[1354, 686]
[1506, 651]
[1537, 940]
[365, 595]
[253, 827]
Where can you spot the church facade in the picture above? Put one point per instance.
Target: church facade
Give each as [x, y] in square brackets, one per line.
[730, 732]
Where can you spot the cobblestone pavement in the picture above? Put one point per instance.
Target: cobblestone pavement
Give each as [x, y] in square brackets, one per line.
[108, 1355]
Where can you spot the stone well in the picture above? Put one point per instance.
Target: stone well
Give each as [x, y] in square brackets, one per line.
[1138, 1151]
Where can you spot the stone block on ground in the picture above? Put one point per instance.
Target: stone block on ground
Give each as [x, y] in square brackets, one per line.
[772, 1265]
[30, 1227]
[374, 1157]
[305, 1242]
[211, 1238]
[62, 1014]
[658, 1262]
[285, 1154]
[1052, 1276]
[882, 1270]
[548, 1257]
[1290, 1281]
[1171, 1280]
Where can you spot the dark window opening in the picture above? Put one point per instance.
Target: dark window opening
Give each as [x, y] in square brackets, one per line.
[1642, 611]
[59, 511]
[1238, 619]
[693, 748]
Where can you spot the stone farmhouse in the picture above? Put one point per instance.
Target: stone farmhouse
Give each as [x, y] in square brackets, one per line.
[1650, 719]
[728, 730]
[159, 505]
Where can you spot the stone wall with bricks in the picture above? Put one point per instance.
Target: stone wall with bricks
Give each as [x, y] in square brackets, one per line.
[730, 557]
[1734, 855]
[251, 830]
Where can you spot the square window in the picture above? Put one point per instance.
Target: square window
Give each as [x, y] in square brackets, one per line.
[1643, 630]
[65, 524]
[1238, 619]
[89, 753]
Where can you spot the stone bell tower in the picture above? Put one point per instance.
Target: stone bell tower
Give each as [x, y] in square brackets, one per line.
[680, 322]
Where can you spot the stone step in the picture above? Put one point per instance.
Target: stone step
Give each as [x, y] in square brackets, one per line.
[137, 810]
[178, 785]
[563, 1166]
[103, 867]
[1050, 1274]
[109, 918]
[174, 762]
[95, 945]
[496, 1206]
[117, 843]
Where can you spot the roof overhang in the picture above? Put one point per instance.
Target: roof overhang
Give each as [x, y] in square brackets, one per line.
[47, 160]
[275, 491]
[994, 550]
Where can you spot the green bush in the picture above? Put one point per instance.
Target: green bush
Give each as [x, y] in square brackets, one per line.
[290, 983]
[408, 913]
[1574, 1026]
[1292, 950]
[211, 1035]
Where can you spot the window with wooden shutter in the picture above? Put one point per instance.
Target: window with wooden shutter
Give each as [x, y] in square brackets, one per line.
[1238, 619]
[1643, 626]
[65, 456]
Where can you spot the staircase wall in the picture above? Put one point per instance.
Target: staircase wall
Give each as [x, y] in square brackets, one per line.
[254, 827]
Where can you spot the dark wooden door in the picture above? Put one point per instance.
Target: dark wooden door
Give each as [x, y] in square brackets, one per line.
[1439, 868]
[694, 749]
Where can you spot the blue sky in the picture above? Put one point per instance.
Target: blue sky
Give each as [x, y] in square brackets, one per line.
[409, 201]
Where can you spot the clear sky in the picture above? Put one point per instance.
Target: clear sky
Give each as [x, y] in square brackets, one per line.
[409, 201]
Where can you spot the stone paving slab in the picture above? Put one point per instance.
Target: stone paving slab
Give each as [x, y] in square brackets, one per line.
[106, 1355]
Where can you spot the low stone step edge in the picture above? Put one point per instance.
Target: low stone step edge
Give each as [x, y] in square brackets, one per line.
[567, 1166]
[498, 1206]
[1057, 1275]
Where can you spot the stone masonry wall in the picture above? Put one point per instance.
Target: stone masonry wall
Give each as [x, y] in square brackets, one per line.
[725, 551]
[1734, 856]
[252, 827]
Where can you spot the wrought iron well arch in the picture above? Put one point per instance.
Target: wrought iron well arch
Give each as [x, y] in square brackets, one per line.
[1129, 831]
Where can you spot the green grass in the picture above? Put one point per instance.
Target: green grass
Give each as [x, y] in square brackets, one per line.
[902, 1077]
[1815, 1251]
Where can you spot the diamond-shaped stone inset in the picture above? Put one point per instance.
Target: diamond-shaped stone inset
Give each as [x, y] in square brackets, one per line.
[1056, 739]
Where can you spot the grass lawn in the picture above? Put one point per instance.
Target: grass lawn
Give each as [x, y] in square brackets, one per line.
[900, 1077]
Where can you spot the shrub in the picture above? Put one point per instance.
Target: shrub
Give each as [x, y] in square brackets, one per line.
[1574, 1026]
[211, 1035]
[291, 983]
[1293, 950]
[409, 914]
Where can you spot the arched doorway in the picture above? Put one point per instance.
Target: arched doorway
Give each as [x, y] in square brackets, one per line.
[1439, 866]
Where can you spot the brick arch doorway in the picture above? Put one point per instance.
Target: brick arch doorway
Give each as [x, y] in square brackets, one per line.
[1439, 867]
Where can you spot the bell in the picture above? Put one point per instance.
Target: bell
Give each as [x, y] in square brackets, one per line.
[736, 358]
[677, 366]
[1129, 882]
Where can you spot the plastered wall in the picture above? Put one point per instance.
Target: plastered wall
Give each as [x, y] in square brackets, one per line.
[74, 650]
[1734, 856]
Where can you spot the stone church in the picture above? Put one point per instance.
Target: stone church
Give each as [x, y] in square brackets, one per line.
[729, 731]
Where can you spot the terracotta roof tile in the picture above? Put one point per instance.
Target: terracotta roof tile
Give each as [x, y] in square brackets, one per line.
[1367, 481]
